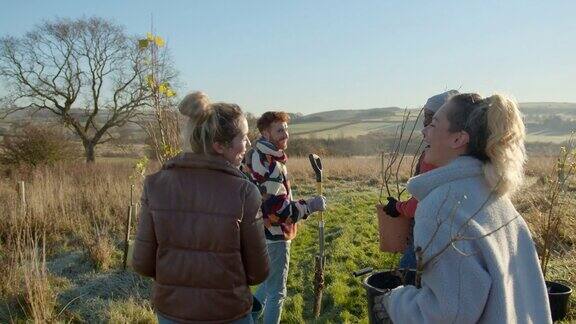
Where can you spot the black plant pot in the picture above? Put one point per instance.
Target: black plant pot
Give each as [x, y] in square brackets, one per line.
[378, 283]
[559, 296]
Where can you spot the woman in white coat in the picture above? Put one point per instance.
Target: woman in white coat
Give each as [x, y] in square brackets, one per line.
[479, 261]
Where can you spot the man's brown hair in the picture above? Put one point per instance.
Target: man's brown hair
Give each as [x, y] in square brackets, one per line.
[269, 117]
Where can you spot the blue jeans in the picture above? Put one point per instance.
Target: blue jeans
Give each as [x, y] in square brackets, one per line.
[244, 320]
[408, 260]
[272, 292]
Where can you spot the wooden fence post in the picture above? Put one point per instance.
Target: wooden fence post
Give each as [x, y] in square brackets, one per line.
[127, 236]
[127, 230]
[23, 197]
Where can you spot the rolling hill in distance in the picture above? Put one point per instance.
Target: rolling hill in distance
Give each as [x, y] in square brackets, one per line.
[545, 121]
[350, 115]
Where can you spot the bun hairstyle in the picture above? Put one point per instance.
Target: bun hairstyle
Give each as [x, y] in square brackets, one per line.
[194, 105]
[208, 122]
[496, 130]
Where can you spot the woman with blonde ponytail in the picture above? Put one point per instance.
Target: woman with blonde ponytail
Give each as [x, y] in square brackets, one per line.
[199, 234]
[477, 257]
[505, 145]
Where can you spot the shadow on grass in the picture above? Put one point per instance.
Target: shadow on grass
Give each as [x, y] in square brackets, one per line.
[91, 293]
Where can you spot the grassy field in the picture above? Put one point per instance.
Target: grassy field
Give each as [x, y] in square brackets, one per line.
[340, 130]
[80, 210]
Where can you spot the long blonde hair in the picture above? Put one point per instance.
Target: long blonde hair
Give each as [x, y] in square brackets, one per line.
[497, 133]
[208, 122]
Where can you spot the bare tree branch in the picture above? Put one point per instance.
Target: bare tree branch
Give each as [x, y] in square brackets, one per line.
[399, 148]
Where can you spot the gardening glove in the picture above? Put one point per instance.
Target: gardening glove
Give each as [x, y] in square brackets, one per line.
[390, 208]
[315, 204]
[381, 302]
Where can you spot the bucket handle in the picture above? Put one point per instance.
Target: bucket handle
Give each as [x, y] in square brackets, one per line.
[368, 270]
[361, 272]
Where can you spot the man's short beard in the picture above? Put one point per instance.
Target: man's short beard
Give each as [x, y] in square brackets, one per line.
[277, 144]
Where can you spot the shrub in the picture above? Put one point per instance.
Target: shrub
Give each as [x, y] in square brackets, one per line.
[99, 248]
[34, 145]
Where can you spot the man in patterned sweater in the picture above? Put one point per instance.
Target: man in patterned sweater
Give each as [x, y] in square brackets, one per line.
[265, 164]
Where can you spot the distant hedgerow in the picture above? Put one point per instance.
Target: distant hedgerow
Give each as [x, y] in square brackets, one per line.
[34, 145]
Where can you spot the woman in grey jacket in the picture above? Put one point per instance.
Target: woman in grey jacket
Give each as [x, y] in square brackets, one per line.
[478, 259]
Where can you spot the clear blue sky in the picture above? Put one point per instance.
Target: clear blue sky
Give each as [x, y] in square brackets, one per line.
[308, 56]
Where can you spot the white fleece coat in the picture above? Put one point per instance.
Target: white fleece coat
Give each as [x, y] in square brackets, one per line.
[478, 278]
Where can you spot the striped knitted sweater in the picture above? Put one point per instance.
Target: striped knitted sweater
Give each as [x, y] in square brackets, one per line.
[266, 167]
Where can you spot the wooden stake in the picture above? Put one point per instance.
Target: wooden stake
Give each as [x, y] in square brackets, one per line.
[23, 196]
[127, 237]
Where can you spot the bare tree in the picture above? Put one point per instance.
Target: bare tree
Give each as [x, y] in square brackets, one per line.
[162, 125]
[87, 72]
